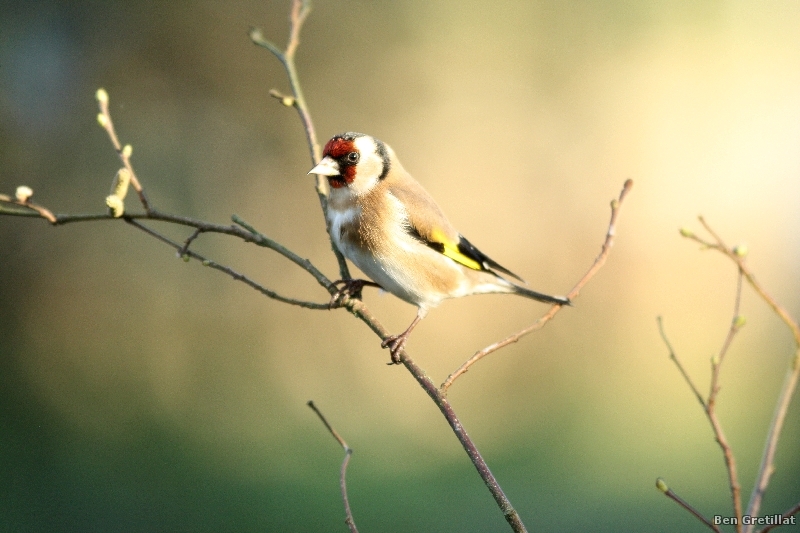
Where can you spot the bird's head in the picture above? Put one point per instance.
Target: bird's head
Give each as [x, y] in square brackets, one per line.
[354, 161]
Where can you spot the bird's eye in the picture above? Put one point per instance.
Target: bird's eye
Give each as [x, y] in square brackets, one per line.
[352, 157]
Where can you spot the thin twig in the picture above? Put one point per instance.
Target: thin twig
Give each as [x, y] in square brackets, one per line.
[359, 309]
[227, 270]
[124, 152]
[669, 493]
[188, 242]
[711, 412]
[709, 404]
[299, 13]
[739, 259]
[248, 234]
[674, 357]
[730, 464]
[343, 472]
[716, 363]
[788, 514]
[767, 466]
[32, 210]
[542, 321]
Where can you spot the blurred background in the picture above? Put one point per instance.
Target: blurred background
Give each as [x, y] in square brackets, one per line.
[142, 393]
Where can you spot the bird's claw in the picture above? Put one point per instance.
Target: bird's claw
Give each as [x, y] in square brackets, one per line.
[351, 288]
[395, 343]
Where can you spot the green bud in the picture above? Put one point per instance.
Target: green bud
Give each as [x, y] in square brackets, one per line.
[116, 205]
[686, 232]
[739, 321]
[206, 262]
[119, 185]
[102, 96]
[740, 250]
[662, 485]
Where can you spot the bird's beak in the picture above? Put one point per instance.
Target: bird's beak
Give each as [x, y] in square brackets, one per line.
[326, 167]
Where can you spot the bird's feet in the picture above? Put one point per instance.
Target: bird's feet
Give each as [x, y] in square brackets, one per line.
[351, 288]
[395, 343]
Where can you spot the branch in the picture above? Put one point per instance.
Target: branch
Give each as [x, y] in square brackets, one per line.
[541, 322]
[738, 254]
[730, 460]
[669, 493]
[348, 451]
[709, 404]
[104, 119]
[298, 15]
[674, 357]
[21, 199]
[184, 252]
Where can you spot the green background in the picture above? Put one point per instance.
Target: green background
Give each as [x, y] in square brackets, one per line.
[141, 393]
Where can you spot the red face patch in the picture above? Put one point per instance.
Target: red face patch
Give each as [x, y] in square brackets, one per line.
[337, 149]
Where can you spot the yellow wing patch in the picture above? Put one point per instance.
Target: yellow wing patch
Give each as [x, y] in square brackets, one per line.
[450, 249]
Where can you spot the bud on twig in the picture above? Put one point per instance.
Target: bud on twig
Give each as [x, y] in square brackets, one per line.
[23, 193]
[102, 96]
[119, 187]
[116, 205]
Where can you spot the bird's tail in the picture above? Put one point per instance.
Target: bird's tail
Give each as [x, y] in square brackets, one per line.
[546, 298]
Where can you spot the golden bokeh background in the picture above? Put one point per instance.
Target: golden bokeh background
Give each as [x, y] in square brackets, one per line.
[142, 393]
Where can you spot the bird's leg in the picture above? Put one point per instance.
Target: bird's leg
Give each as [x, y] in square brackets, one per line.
[350, 288]
[395, 343]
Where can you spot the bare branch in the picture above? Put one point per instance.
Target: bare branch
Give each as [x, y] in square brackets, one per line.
[669, 493]
[674, 357]
[730, 464]
[711, 402]
[738, 256]
[541, 322]
[767, 467]
[227, 270]
[343, 472]
[716, 363]
[299, 12]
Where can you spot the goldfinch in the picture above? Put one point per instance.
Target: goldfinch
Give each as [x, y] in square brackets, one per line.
[382, 220]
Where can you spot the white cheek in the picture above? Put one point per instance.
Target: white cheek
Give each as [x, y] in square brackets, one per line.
[369, 168]
[362, 185]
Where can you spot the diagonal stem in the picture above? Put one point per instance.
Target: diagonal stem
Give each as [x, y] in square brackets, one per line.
[348, 451]
[541, 322]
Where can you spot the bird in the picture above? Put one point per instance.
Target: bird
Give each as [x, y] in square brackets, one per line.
[382, 220]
